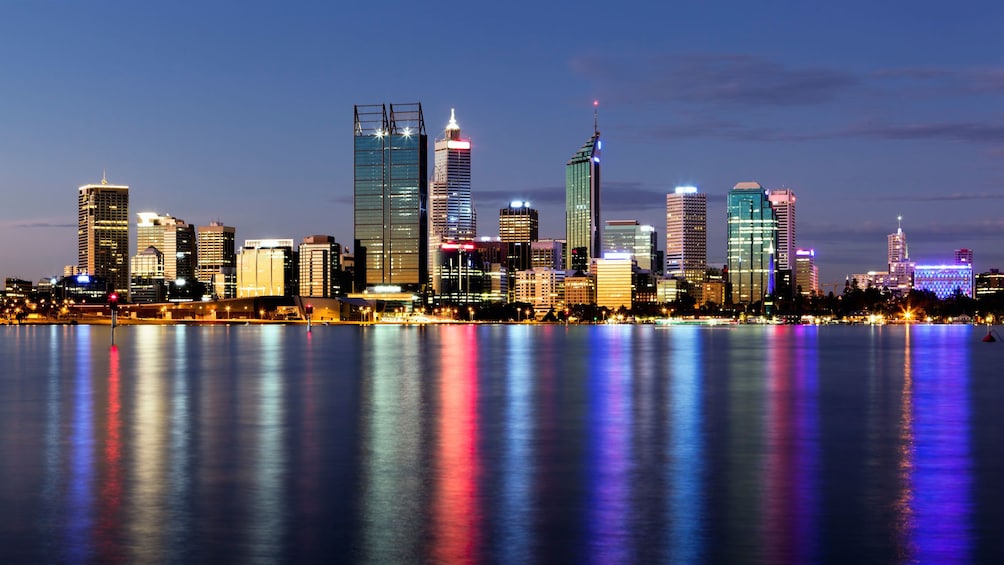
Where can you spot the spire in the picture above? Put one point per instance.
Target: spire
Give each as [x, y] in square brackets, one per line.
[899, 224]
[453, 121]
[596, 117]
[104, 177]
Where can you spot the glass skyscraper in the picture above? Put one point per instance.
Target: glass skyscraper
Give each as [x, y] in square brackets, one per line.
[752, 241]
[582, 203]
[390, 175]
[451, 212]
[686, 233]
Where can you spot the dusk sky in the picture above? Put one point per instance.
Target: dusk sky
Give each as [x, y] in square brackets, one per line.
[242, 112]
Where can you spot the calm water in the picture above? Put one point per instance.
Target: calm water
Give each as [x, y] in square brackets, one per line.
[504, 444]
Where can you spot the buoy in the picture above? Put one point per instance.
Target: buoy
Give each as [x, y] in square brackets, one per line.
[989, 338]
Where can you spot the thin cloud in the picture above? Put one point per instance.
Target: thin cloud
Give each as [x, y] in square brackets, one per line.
[955, 197]
[720, 79]
[973, 132]
[43, 225]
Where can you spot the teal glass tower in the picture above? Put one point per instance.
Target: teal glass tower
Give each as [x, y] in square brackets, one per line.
[390, 177]
[582, 202]
[752, 243]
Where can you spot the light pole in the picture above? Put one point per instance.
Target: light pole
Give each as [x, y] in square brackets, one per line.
[228, 313]
[470, 311]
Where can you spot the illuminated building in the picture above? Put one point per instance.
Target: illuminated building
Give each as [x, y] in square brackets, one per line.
[148, 284]
[990, 282]
[687, 234]
[172, 237]
[547, 253]
[582, 203]
[944, 280]
[451, 212]
[752, 239]
[668, 289]
[265, 267]
[782, 200]
[216, 266]
[320, 270]
[900, 268]
[613, 282]
[963, 256]
[103, 234]
[627, 236]
[806, 272]
[469, 275]
[518, 228]
[579, 289]
[390, 178]
[542, 287]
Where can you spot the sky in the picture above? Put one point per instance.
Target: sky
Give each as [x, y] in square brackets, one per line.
[242, 112]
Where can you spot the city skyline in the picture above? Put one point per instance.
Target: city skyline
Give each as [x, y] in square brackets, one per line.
[884, 126]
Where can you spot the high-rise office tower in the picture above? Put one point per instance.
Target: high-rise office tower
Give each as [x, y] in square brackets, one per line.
[174, 238]
[622, 237]
[900, 267]
[519, 226]
[451, 211]
[583, 238]
[217, 259]
[103, 233]
[687, 233]
[320, 268]
[783, 202]
[806, 272]
[963, 256]
[390, 177]
[752, 239]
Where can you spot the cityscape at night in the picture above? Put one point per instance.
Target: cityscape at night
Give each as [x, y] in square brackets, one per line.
[501, 283]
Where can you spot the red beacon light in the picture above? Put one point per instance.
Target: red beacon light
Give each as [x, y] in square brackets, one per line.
[113, 301]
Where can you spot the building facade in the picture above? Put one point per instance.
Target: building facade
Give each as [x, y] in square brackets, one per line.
[782, 200]
[519, 227]
[583, 235]
[265, 267]
[944, 280]
[541, 287]
[752, 239]
[547, 253]
[103, 234]
[216, 264]
[806, 272]
[320, 270]
[628, 236]
[390, 179]
[687, 234]
[612, 282]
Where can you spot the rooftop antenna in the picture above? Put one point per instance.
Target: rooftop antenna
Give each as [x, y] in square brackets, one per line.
[596, 117]
[104, 177]
[899, 224]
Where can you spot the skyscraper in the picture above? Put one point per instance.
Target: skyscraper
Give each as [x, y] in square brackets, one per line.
[451, 211]
[752, 239]
[217, 259]
[963, 256]
[582, 202]
[900, 267]
[687, 233]
[174, 238]
[630, 237]
[519, 226]
[782, 200]
[390, 179]
[320, 267]
[266, 267]
[806, 272]
[103, 233]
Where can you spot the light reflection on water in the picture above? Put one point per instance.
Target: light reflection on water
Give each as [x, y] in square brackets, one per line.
[499, 443]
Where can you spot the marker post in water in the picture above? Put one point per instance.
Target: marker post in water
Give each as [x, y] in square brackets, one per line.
[113, 306]
[309, 310]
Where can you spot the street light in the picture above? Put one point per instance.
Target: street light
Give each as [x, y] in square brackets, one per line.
[470, 311]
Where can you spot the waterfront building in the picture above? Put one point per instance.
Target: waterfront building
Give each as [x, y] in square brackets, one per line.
[103, 234]
[963, 256]
[216, 264]
[782, 200]
[582, 203]
[148, 283]
[628, 236]
[752, 240]
[452, 217]
[175, 239]
[806, 272]
[541, 287]
[390, 179]
[669, 289]
[466, 276]
[990, 282]
[579, 289]
[548, 253]
[320, 270]
[612, 282]
[265, 267]
[944, 280]
[686, 234]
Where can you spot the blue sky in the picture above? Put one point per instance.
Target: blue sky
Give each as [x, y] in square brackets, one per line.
[243, 112]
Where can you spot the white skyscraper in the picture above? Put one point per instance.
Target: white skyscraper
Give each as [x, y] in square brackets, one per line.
[783, 202]
[451, 211]
[686, 233]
